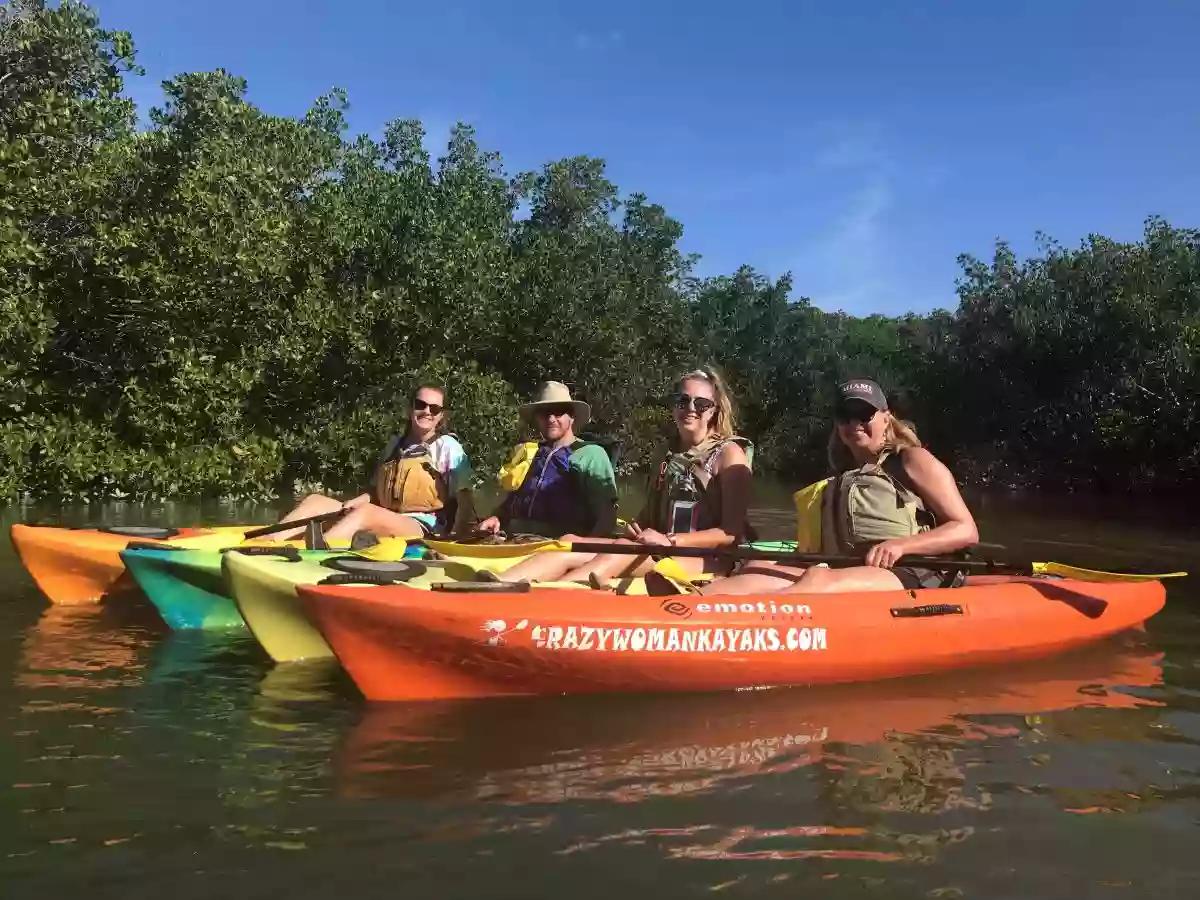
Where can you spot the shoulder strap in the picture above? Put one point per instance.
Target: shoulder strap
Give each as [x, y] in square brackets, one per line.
[891, 465]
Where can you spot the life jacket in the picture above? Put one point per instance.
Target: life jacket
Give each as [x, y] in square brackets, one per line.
[543, 487]
[849, 512]
[808, 516]
[678, 491]
[513, 472]
[407, 481]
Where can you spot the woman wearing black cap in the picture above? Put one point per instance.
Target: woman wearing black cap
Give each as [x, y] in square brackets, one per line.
[888, 497]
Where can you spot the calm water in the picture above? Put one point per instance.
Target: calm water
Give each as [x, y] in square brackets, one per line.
[135, 762]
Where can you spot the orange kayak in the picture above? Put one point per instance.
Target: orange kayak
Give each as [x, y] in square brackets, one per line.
[401, 643]
[75, 566]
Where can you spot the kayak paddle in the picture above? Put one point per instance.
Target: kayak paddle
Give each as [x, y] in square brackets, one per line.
[979, 566]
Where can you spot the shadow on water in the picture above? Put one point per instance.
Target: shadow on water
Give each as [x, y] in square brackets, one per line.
[136, 761]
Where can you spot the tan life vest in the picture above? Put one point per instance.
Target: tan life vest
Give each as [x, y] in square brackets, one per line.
[870, 504]
[410, 483]
[684, 477]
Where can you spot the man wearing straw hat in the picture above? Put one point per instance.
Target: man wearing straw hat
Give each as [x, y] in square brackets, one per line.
[565, 486]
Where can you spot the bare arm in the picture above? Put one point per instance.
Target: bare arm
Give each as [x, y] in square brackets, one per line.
[935, 485]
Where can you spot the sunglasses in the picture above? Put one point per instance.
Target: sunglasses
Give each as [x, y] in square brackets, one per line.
[556, 411]
[862, 414]
[434, 408]
[700, 404]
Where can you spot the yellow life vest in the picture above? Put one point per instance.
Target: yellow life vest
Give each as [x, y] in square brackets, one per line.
[808, 516]
[409, 482]
[512, 473]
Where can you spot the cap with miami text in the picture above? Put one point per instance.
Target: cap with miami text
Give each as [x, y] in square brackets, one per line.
[862, 389]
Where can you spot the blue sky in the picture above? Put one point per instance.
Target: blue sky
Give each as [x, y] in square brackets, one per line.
[860, 145]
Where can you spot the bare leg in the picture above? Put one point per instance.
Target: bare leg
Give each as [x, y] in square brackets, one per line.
[835, 581]
[546, 565]
[610, 565]
[756, 578]
[621, 565]
[312, 505]
[370, 517]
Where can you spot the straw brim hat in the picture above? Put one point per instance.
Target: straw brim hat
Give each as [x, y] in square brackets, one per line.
[555, 393]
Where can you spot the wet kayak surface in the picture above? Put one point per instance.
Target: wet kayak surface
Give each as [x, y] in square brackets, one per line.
[139, 762]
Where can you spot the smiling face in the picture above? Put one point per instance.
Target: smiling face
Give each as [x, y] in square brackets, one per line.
[862, 427]
[556, 422]
[427, 412]
[694, 407]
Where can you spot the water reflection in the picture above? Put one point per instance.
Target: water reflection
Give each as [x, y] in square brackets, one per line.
[540, 750]
[82, 648]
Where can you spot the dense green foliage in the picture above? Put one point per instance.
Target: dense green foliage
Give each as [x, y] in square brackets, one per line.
[230, 302]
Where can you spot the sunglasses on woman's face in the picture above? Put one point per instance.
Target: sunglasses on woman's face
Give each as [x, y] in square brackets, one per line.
[846, 414]
[700, 404]
[434, 408]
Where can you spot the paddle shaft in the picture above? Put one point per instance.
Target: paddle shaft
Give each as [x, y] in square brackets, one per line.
[789, 556]
[294, 523]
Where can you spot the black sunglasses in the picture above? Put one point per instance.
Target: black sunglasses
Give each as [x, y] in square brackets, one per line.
[864, 413]
[434, 408]
[557, 411]
[700, 404]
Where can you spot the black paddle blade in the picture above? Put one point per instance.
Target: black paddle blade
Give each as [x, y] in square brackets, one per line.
[1085, 604]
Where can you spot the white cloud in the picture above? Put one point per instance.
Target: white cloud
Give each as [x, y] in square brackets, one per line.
[848, 266]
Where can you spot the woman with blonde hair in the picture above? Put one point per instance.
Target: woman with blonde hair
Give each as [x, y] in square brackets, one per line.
[888, 497]
[697, 494]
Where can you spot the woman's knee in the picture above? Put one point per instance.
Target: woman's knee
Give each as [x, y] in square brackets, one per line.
[859, 578]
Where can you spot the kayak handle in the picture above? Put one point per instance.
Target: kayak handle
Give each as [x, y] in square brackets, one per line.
[291, 554]
[359, 578]
[151, 545]
[929, 609]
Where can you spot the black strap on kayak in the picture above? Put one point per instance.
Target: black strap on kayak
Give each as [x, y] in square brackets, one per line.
[150, 545]
[286, 551]
[397, 570]
[361, 578]
[150, 532]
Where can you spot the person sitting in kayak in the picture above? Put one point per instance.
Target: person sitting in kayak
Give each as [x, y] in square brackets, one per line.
[888, 497]
[420, 484]
[562, 485]
[697, 495]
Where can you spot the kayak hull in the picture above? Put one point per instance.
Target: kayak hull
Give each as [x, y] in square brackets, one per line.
[263, 590]
[80, 566]
[397, 643]
[185, 586]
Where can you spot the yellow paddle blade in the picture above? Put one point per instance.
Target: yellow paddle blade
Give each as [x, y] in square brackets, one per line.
[676, 574]
[1079, 574]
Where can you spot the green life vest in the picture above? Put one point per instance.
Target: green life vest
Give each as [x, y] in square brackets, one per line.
[870, 504]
